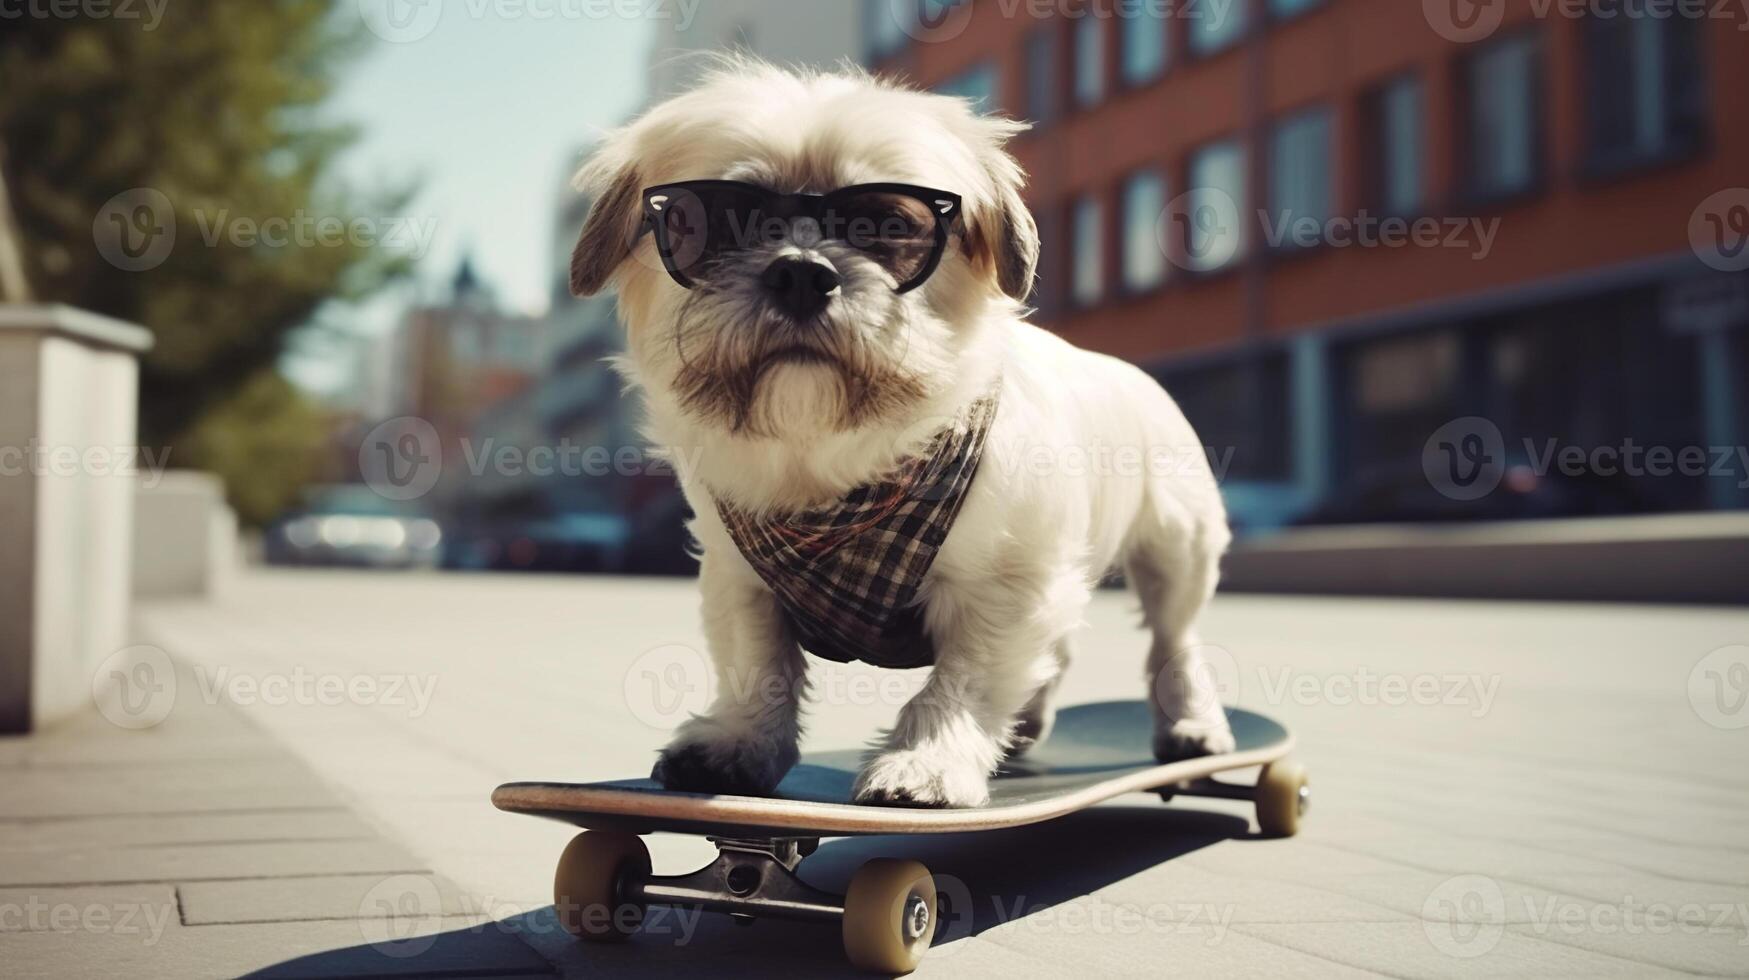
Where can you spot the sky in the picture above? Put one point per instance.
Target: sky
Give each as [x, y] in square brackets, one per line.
[486, 105]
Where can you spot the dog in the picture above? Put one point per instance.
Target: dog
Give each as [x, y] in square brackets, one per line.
[793, 367]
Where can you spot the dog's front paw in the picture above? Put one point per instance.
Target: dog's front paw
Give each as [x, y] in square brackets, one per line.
[913, 777]
[1192, 738]
[705, 757]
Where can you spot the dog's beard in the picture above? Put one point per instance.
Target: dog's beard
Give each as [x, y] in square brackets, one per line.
[729, 365]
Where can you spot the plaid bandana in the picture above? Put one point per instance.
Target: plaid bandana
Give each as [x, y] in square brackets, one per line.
[847, 574]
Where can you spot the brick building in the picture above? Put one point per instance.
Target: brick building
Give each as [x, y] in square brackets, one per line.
[1333, 227]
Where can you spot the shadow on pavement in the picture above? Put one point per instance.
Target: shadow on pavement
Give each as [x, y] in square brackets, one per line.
[985, 879]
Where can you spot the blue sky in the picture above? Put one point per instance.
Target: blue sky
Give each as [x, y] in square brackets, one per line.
[487, 112]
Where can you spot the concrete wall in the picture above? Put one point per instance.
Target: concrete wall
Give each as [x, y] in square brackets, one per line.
[68, 394]
[185, 536]
[1693, 558]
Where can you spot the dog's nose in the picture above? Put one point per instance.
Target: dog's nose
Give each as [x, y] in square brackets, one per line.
[801, 287]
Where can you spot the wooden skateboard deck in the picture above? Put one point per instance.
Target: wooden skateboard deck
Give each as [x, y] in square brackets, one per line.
[1096, 752]
[888, 915]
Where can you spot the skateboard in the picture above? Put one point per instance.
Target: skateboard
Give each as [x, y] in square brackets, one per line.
[888, 914]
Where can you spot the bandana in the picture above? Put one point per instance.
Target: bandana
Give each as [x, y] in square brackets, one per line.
[847, 574]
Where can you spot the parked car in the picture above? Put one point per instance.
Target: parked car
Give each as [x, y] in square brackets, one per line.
[570, 542]
[352, 525]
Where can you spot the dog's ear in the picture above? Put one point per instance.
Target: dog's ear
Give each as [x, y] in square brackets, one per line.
[1001, 236]
[611, 230]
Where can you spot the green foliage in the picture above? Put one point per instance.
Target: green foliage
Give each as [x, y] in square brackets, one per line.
[265, 442]
[217, 108]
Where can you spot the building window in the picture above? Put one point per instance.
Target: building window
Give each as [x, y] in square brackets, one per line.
[1239, 408]
[884, 23]
[1645, 96]
[1391, 394]
[1089, 60]
[1214, 26]
[1041, 73]
[1145, 44]
[1088, 280]
[1214, 229]
[1300, 179]
[1398, 146]
[1503, 126]
[1144, 262]
[977, 84]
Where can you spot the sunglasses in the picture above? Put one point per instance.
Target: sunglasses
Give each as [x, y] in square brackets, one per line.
[901, 227]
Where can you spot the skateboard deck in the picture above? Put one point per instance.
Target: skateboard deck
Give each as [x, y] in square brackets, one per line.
[888, 915]
[1095, 752]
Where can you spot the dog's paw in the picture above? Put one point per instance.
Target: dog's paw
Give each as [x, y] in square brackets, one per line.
[913, 777]
[1192, 738]
[703, 758]
[1030, 732]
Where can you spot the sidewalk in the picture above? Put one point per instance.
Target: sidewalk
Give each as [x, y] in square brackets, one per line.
[202, 847]
[1499, 789]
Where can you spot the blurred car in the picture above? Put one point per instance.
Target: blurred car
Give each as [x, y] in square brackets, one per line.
[354, 526]
[1402, 495]
[563, 542]
[661, 543]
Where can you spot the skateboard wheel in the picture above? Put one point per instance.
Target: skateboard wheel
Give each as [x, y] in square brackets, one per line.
[591, 881]
[889, 916]
[1283, 793]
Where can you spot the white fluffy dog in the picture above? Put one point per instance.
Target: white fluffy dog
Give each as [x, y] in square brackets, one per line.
[781, 406]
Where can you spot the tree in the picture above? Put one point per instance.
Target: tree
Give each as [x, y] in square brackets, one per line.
[14, 288]
[123, 132]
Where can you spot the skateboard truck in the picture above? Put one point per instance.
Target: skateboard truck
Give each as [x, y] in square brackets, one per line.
[750, 876]
[1282, 795]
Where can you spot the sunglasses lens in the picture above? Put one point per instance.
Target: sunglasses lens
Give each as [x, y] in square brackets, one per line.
[703, 223]
[897, 231]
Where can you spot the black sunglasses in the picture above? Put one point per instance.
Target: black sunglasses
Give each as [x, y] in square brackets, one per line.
[902, 227]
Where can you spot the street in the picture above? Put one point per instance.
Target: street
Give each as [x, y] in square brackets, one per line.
[1499, 788]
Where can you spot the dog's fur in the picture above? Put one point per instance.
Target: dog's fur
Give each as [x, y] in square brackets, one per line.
[1090, 465]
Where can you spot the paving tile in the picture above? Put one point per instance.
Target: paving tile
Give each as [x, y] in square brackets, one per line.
[1627, 888]
[1686, 940]
[1243, 899]
[1090, 937]
[1437, 949]
[182, 862]
[183, 828]
[184, 787]
[338, 897]
[144, 912]
[276, 950]
[1442, 897]
[1304, 859]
